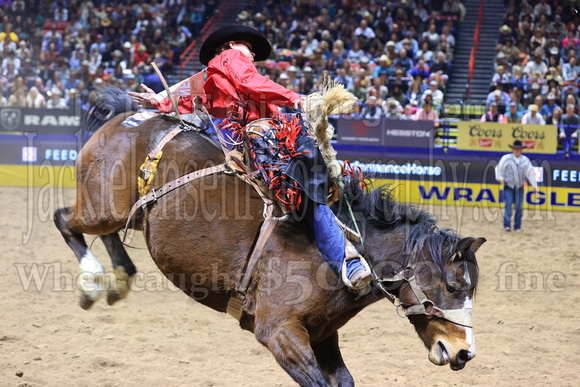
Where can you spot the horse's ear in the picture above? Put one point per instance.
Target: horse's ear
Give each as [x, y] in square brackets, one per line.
[463, 245]
[477, 244]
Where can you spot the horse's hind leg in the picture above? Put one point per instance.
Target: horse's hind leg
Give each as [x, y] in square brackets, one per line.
[123, 266]
[330, 359]
[289, 342]
[90, 283]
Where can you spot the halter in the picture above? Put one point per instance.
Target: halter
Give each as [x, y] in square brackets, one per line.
[461, 316]
[425, 306]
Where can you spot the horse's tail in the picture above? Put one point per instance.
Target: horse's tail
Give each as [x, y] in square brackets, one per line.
[108, 102]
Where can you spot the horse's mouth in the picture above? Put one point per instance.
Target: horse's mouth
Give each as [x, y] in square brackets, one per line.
[440, 355]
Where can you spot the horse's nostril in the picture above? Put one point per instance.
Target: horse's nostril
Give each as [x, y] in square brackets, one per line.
[464, 355]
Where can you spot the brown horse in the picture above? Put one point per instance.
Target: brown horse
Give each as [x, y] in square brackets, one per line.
[201, 235]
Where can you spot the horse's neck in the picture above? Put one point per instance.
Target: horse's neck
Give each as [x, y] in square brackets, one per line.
[386, 248]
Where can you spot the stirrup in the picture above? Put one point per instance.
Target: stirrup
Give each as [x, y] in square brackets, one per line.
[350, 254]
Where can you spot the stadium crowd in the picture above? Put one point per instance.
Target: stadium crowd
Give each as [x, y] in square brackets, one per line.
[391, 55]
[54, 53]
[536, 67]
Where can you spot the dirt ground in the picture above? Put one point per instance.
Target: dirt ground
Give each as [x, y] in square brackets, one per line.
[526, 324]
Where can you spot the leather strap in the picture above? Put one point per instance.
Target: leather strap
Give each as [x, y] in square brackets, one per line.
[152, 156]
[265, 231]
[218, 132]
[154, 194]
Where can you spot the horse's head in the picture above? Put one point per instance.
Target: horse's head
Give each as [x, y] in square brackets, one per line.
[432, 273]
[437, 296]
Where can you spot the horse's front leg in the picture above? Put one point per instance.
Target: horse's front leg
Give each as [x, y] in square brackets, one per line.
[330, 359]
[289, 342]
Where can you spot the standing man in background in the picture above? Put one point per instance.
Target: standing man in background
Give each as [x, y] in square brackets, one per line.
[512, 171]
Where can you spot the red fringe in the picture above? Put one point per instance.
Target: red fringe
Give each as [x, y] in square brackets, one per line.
[355, 174]
[286, 190]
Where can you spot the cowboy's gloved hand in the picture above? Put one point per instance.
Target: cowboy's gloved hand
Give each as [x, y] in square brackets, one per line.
[147, 99]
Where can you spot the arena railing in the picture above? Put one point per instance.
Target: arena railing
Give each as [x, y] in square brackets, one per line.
[474, 49]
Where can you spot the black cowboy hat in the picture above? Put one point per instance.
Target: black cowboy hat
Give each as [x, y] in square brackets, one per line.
[517, 144]
[237, 32]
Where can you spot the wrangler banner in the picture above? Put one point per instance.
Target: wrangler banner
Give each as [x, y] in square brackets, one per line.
[494, 137]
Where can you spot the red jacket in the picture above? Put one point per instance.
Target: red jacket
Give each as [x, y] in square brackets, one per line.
[229, 72]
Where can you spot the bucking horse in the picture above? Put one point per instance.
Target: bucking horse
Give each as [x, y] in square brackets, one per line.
[201, 234]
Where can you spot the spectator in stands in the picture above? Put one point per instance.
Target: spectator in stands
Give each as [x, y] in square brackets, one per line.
[501, 60]
[141, 55]
[435, 93]
[432, 36]
[570, 89]
[292, 72]
[370, 110]
[570, 118]
[500, 76]
[493, 115]
[518, 78]
[514, 115]
[34, 99]
[534, 92]
[424, 52]
[379, 88]
[506, 35]
[420, 70]
[56, 101]
[397, 92]
[440, 66]
[532, 117]
[556, 118]
[364, 30]
[511, 172]
[18, 99]
[408, 113]
[570, 70]
[383, 67]
[536, 65]
[403, 61]
[415, 91]
[548, 109]
[343, 78]
[357, 89]
[392, 109]
[427, 112]
[542, 8]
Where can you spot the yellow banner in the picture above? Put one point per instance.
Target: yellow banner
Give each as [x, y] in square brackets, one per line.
[494, 137]
[482, 195]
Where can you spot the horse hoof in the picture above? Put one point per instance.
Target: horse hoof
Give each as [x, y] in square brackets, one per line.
[112, 297]
[86, 302]
[119, 288]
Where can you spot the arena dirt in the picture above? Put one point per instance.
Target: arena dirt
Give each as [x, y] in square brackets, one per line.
[526, 330]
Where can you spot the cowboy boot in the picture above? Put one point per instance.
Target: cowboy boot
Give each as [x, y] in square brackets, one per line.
[356, 273]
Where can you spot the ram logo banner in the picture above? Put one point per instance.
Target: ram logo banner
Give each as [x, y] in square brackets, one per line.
[10, 119]
[491, 136]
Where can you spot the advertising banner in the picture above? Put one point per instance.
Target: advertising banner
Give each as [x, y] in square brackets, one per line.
[385, 132]
[42, 121]
[494, 137]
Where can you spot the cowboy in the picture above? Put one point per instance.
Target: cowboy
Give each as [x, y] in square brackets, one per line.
[237, 93]
[511, 172]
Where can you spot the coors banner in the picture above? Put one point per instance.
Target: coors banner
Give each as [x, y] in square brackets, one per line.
[494, 137]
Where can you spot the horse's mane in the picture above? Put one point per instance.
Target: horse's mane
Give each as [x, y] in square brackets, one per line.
[385, 214]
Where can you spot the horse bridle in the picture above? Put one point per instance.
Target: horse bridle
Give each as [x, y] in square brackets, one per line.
[425, 306]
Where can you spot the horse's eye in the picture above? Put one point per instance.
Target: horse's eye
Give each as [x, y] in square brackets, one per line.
[451, 288]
